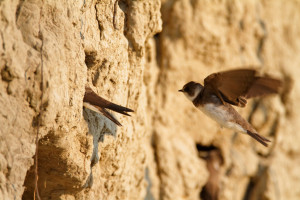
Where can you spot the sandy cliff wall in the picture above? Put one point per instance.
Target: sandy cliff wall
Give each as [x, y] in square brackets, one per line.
[138, 54]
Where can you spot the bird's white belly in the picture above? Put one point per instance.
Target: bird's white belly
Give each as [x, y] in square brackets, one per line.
[221, 116]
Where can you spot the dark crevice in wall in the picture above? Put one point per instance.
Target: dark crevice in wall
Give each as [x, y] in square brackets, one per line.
[287, 87]
[100, 25]
[18, 9]
[261, 41]
[257, 185]
[90, 58]
[157, 161]
[157, 48]
[214, 161]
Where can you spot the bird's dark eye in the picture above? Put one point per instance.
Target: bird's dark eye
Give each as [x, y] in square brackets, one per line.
[187, 89]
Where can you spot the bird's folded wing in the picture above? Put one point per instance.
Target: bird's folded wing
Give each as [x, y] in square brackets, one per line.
[108, 115]
[102, 111]
[92, 98]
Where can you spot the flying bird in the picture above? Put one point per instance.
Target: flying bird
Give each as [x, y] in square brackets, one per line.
[96, 103]
[233, 87]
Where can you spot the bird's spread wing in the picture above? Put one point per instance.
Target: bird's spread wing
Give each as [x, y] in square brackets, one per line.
[237, 85]
[263, 86]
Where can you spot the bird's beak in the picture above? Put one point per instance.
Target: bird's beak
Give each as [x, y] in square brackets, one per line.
[180, 90]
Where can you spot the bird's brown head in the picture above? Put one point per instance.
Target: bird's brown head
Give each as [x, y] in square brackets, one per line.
[191, 90]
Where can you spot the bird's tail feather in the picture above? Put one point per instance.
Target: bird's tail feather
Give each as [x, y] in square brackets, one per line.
[109, 116]
[119, 109]
[259, 138]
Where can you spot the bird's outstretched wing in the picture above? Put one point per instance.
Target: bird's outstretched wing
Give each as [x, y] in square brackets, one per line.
[237, 85]
[263, 86]
[96, 103]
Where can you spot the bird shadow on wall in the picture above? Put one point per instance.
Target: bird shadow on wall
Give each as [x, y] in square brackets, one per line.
[98, 126]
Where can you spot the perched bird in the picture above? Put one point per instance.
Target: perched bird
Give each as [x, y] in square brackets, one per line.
[233, 87]
[96, 103]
